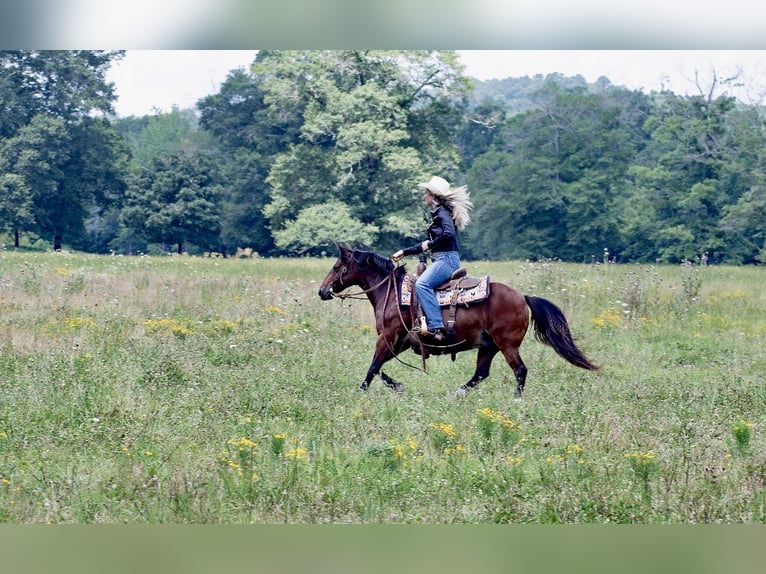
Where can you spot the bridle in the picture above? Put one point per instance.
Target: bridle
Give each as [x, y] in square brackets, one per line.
[361, 294]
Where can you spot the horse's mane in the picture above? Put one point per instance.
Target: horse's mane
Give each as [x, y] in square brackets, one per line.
[377, 262]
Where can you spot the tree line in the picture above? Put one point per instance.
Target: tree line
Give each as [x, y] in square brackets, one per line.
[309, 148]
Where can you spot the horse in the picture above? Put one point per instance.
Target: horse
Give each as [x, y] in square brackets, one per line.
[498, 324]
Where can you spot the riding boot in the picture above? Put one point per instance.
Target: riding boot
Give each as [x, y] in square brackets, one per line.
[438, 335]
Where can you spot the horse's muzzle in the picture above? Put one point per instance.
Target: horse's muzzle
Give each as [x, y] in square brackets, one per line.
[325, 294]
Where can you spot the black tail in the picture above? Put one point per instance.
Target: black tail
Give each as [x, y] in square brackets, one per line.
[551, 328]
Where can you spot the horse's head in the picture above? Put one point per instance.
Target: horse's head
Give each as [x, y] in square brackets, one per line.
[353, 268]
[344, 274]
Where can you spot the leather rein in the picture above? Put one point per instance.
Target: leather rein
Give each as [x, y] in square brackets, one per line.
[363, 295]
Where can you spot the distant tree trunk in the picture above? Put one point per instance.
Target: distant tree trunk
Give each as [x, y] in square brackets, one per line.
[57, 239]
[16, 237]
[180, 247]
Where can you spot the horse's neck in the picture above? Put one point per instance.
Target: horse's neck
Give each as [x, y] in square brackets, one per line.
[378, 289]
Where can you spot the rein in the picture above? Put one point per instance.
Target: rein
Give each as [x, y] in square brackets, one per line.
[362, 294]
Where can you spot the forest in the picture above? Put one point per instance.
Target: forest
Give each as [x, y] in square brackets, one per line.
[309, 148]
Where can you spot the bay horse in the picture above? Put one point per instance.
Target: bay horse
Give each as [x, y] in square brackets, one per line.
[498, 324]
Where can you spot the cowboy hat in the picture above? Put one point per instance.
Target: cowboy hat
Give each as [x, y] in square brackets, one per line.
[437, 186]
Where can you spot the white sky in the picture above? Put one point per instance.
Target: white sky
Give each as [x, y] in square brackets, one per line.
[149, 80]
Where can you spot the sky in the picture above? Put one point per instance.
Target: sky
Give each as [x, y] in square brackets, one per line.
[155, 80]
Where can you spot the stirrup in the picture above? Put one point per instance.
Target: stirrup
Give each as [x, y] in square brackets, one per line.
[439, 335]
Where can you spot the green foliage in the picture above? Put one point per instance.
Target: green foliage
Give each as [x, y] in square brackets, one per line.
[54, 137]
[372, 125]
[558, 168]
[66, 84]
[319, 227]
[162, 133]
[15, 204]
[175, 201]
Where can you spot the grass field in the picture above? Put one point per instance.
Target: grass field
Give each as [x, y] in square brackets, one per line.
[190, 390]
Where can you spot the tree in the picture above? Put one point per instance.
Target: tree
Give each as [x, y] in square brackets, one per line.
[54, 135]
[174, 201]
[372, 125]
[248, 140]
[15, 205]
[68, 169]
[320, 226]
[160, 133]
[551, 184]
[677, 188]
[66, 84]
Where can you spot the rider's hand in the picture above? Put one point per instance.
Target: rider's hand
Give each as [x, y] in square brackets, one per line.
[424, 246]
[398, 255]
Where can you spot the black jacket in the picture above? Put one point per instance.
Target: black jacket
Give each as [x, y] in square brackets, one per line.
[441, 233]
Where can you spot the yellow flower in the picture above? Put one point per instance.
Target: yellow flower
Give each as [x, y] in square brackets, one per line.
[641, 458]
[490, 414]
[743, 425]
[243, 443]
[607, 319]
[297, 453]
[446, 428]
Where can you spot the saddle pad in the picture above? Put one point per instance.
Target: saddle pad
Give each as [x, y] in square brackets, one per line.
[478, 292]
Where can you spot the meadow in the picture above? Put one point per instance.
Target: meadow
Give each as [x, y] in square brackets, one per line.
[195, 390]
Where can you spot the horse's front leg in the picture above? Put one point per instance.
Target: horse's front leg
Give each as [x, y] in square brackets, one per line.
[385, 350]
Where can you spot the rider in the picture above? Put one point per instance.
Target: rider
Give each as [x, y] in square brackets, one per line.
[449, 214]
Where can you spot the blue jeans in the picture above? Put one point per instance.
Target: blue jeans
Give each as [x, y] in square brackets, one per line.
[444, 264]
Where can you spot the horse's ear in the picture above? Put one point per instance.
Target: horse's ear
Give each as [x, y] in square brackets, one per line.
[343, 250]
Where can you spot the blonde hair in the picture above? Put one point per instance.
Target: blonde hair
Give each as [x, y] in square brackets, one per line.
[458, 200]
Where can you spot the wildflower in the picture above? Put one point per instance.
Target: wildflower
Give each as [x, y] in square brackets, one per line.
[446, 428]
[297, 453]
[444, 436]
[742, 431]
[641, 458]
[180, 331]
[242, 444]
[77, 323]
[644, 464]
[608, 319]
[489, 414]
[277, 443]
[457, 449]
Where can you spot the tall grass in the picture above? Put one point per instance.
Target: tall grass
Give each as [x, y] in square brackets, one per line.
[189, 390]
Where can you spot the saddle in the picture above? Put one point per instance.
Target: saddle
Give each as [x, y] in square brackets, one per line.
[459, 289]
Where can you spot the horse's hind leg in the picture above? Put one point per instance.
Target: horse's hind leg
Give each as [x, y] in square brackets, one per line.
[513, 358]
[483, 362]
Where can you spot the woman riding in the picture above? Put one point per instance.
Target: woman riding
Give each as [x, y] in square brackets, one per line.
[449, 214]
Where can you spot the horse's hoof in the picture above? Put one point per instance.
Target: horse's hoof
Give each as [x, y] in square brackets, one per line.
[461, 392]
[363, 388]
[399, 387]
